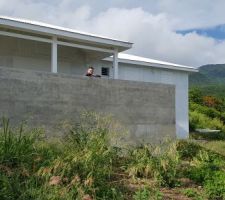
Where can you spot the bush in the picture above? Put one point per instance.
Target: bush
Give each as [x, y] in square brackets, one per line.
[155, 162]
[147, 194]
[207, 169]
[209, 112]
[194, 194]
[195, 95]
[203, 165]
[198, 120]
[215, 185]
[188, 149]
[19, 159]
[78, 167]
[87, 160]
[89, 164]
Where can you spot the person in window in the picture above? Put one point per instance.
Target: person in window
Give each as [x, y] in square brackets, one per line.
[90, 72]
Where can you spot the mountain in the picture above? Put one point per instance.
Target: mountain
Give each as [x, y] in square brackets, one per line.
[211, 79]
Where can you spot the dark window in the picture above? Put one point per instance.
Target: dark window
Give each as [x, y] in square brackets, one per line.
[105, 71]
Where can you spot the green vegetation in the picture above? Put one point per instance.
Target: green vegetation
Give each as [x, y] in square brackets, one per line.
[88, 164]
[206, 112]
[91, 160]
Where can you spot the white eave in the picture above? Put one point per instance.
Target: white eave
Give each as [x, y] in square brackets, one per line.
[51, 30]
[141, 61]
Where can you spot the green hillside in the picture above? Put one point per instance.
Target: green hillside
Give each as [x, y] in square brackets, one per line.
[210, 79]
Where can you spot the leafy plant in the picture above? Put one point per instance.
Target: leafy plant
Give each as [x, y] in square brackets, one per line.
[194, 194]
[155, 162]
[147, 194]
[215, 185]
[188, 149]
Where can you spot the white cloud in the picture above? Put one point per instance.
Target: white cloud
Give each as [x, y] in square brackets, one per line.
[152, 31]
[187, 14]
[154, 37]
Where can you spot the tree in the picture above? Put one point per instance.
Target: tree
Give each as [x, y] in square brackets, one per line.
[195, 95]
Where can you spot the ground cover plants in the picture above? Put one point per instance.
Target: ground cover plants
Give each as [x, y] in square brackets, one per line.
[87, 163]
[206, 112]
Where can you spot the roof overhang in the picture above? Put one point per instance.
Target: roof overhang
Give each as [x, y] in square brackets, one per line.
[65, 33]
[141, 61]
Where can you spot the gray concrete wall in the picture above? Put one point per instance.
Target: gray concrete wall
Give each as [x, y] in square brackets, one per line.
[45, 99]
[177, 78]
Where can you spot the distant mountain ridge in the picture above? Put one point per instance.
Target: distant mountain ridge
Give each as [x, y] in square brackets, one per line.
[209, 74]
[211, 79]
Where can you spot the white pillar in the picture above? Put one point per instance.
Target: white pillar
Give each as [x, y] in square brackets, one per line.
[54, 56]
[115, 65]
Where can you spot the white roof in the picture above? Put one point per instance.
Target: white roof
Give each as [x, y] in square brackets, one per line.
[137, 60]
[40, 27]
[18, 22]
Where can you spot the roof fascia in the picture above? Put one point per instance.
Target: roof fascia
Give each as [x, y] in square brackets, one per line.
[66, 34]
[163, 66]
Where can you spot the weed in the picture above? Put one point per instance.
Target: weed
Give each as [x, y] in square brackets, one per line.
[154, 162]
[187, 149]
[147, 194]
[215, 185]
[194, 194]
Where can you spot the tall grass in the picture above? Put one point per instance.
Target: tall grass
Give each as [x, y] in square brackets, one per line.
[76, 167]
[88, 163]
[161, 164]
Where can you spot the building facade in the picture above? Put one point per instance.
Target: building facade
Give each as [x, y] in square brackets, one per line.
[36, 46]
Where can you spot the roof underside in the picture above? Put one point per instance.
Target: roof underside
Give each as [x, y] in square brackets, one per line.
[51, 30]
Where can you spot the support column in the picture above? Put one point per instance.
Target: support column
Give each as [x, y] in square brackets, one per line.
[115, 65]
[54, 56]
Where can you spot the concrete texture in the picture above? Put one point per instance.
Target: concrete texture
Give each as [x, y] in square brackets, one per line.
[45, 99]
[177, 78]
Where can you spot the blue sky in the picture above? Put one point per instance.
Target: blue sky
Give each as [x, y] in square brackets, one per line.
[152, 25]
[217, 32]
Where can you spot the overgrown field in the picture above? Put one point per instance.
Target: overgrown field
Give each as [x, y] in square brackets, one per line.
[88, 164]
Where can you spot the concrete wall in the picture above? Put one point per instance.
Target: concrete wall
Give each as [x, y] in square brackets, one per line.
[25, 54]
[177, 78]
[146, 109]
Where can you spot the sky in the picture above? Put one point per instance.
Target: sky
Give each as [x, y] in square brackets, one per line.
[188, 32]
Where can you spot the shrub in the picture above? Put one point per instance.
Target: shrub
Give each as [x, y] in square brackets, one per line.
[87, 159]
[188, 149]
[168, 165]
[207, 169]
[155, 162]
[215, 185]
[18, 160]
[194, 194]
[147, 194]
[203, 165]
[16, 146]
[198, 120]
[195, 95]
[209, 112]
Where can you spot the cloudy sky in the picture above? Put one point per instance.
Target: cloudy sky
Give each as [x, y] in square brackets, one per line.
[189, 32]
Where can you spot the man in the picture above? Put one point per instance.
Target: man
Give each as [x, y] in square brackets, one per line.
[90, 72]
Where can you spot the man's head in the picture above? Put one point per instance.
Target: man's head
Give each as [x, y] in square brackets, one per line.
[90, 70]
